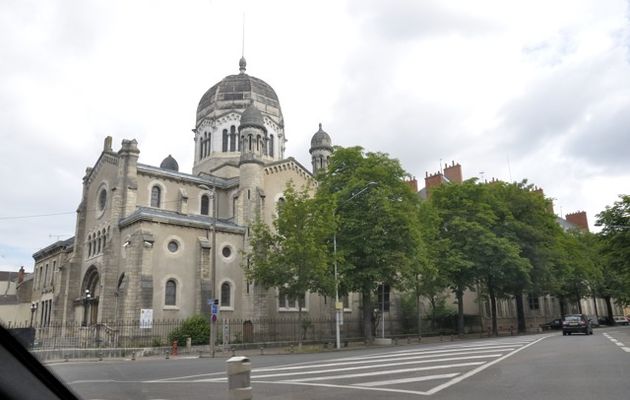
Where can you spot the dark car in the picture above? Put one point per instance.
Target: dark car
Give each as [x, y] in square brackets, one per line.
[555, 324]
[576, 323]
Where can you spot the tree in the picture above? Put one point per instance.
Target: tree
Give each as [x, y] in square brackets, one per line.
[294, 256]
[527, 221]
[376, 231]
[615, 236]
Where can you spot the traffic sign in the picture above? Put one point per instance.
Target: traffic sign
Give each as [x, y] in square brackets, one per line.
[215, 309]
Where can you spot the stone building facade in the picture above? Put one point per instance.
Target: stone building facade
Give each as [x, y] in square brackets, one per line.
[154, 238]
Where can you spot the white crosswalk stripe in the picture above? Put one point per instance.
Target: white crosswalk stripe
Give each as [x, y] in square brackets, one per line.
[419, 370]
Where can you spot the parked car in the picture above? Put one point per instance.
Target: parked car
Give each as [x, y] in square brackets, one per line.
[576, 323]
[594, 321]
[620, 320]
[555, 324]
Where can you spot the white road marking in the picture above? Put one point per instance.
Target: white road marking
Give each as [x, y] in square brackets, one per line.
[479, 369]
[421, 352]
[626, 349]
[418, 357]
[376, 373]
[324, 371]
[619, 344]
[408, 380]
[354, 387]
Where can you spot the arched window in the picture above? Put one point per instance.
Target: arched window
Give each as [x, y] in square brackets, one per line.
[225, 294]
[225, 140]
[271, 145]
[89, 245]
[202, 144]
[249, 141]
[258, 143]
[98, 244]
[232, 138]
[170, 293]
[156, 196]
[205, 204]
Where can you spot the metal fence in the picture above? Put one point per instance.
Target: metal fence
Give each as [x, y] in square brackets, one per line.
[238, 332]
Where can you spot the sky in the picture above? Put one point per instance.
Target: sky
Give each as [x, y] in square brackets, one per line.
[536, 90]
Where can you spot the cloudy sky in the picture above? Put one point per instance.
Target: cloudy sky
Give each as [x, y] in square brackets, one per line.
[536, 90]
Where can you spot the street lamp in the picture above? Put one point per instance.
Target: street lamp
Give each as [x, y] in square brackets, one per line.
[33, 309]
[339, 307]
[86, 301]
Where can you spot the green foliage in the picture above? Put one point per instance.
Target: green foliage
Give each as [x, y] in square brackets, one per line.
[196, 327]
[615, 250]
[294, 254]
[377, 232]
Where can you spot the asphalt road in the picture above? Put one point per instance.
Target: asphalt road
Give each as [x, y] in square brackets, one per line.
[545, 366]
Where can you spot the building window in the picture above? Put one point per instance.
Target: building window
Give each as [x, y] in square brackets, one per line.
[534, 303]
[383, 297]
[225, 294]
[286, 302]
[205, 204]
[173, 246]
[227, 251]
[156, 196]
[170, 293]
[102, 199]
[225, 140]
[271, 145]
[232, 138]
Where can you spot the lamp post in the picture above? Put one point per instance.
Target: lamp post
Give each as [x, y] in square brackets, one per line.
[339, 307]
[86, 302]
[33, 309]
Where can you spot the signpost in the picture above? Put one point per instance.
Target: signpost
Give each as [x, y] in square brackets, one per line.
[214, 312]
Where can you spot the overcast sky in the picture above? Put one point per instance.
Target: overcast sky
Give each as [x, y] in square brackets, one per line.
[536, 90]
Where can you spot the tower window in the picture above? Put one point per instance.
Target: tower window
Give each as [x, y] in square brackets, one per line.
[225, 140]
[205, 205]
[232, 138]
[170, 293]
[156, 196]
[271, 145]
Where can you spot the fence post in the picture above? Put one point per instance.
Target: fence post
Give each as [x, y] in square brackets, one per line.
[238, 372]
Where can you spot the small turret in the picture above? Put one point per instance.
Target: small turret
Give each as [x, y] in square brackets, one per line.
[321, 149]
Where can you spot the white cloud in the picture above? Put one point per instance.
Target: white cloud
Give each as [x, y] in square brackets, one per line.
[543, 84]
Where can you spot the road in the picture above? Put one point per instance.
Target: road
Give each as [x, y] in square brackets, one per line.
[544, 366]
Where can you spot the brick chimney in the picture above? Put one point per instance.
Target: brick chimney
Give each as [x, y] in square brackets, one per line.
[431, 181]
[578, 219]
[413, 184]
[20, 277]
[453, 172]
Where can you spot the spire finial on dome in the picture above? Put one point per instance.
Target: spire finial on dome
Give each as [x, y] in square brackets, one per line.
[320, 126]
[242, 65]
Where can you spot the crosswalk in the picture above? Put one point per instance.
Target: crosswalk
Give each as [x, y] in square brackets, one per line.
[419, 370]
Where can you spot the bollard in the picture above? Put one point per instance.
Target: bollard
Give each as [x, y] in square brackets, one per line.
[65, 358]
[408, 340]
[291, 348]
[233, 351]
[238, 372]
[167, 354]
[451, 337]
[100, 356]
[188, 344]
[511, 331]
[174, 348]
[262, 350]
[133, 356]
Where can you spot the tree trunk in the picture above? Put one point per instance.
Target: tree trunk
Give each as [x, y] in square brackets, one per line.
[562, 306]
[493, 309]
[520, 313]
[609, 309]
[433, 302]
[367, 315]
[419, 315]
[595, 307]
[578, 299]
[300, 329]
[460, 311]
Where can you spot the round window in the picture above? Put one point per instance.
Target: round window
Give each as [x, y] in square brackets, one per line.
[227, 251]
[102, 199]
[173, 246]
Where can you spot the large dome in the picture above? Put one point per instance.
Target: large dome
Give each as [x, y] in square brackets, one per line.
[235, 93]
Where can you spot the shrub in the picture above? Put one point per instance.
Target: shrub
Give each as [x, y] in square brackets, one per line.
[197, 327]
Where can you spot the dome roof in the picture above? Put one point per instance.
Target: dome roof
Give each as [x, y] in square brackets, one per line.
[170, 163]
[252, 117]
[321, 140]
[236, 92]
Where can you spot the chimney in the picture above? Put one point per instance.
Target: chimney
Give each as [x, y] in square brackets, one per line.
[453, 172]
[413, 184]
[578, 219]
[20, 277]
[431, 181]
[107, 144]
